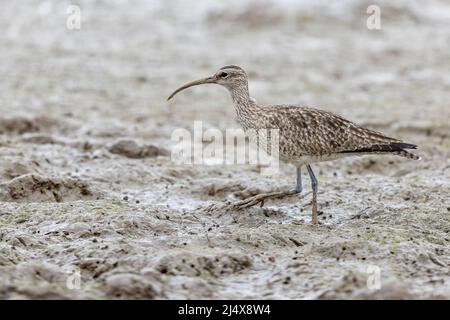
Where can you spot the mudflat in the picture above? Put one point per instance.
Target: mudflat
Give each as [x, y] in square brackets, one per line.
[93, 207]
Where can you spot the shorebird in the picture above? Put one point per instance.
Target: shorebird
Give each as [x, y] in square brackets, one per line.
[306, 135]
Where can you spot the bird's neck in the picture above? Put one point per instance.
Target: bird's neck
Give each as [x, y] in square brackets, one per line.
[242, 102]
[240, 94]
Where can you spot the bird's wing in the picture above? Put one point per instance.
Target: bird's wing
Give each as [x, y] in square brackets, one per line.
[319, 132]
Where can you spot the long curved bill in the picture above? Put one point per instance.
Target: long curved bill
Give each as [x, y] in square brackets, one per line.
[191, 84]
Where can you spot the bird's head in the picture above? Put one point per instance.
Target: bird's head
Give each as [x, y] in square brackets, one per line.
[231, 77]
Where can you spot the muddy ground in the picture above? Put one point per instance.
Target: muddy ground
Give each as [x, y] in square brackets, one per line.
[88, 190]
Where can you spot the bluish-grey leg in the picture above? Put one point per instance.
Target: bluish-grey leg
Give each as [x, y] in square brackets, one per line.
[314, 189]
[298, 186]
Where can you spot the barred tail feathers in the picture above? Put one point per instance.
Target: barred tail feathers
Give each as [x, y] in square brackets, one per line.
[397, 148]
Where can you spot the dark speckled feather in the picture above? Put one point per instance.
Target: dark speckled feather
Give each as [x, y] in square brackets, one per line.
[319, 135]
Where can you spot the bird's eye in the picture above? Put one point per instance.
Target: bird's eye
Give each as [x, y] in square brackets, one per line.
[223, 75]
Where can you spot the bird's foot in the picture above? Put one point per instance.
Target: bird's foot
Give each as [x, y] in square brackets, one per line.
[296, 190]
[260, 198]
[291, 192]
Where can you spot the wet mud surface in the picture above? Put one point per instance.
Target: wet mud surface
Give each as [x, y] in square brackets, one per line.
[88, 190]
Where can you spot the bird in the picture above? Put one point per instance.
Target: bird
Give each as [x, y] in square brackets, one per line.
[306, 135]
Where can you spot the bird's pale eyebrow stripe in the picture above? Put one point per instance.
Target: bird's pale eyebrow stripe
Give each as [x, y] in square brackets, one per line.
[230, 67]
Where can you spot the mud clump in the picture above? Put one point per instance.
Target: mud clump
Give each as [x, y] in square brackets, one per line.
[195, 265]
[130, 149]
[394, 290]
[350, 283]
[37, 188]
[38, 139]
[13, 169]
[96, 267]
[136, 286]
[51, 276]
[344, 250]
[220, 189]
[20, 125]
[356, 285]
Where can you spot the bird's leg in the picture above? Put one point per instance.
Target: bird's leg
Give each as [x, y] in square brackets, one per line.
[298, 186]
[314, 189]
[260, 198]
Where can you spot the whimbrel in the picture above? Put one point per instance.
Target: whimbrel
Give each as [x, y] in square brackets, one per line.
[306, 135]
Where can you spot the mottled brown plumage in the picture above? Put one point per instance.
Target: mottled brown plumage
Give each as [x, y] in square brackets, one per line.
[306, 135]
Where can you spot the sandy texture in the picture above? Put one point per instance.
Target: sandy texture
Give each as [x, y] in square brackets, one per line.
[87, 185]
